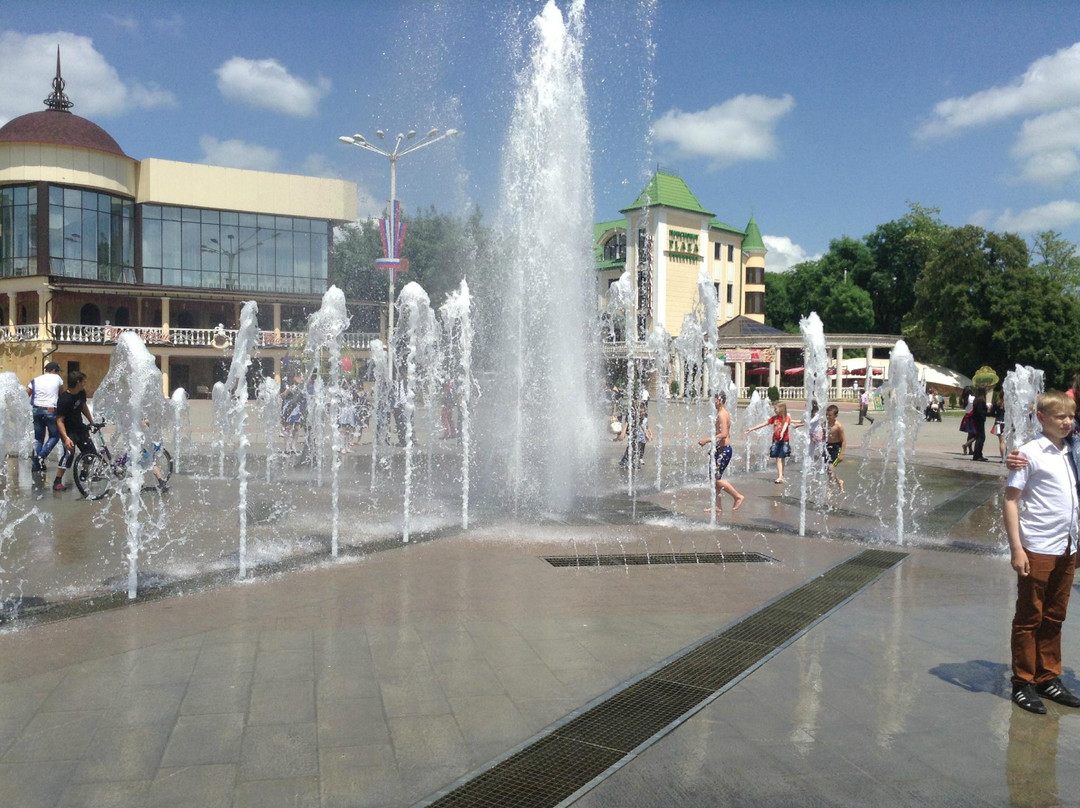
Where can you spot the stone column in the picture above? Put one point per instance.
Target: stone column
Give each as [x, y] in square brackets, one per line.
[165, 374]
[839, 372]
[165, 317]
[12, 314]
[774, 367]
[42, 314]
[869, 369]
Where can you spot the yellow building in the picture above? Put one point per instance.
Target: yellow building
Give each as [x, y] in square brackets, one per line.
[94, 242]
[673, 237]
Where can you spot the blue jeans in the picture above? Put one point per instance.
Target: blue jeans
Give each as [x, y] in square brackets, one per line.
[45, 421]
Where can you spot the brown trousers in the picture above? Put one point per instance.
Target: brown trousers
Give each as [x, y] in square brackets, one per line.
[1042, 599]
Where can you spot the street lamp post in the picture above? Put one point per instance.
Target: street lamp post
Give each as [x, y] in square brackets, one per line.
[433, 136]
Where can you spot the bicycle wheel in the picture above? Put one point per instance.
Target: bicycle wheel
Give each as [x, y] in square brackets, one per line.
[93, 477]
[153, 458]
[163, 460]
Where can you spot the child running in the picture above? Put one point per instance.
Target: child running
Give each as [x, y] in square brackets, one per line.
[835, 444]
[781, 447]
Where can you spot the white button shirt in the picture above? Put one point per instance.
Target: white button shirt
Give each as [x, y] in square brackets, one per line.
[1048, 502]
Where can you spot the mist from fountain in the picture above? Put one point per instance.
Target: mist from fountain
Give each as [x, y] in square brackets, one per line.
[456, 319]
[130, 398]
[757, 443]
[268, 396]
[544, 451]
[220, 424]
[416, 336]
[659, 344]
[903, 398]
[1021, 388]
[379, 364]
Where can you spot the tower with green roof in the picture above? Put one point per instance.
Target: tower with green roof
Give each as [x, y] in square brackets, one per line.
[668, 236]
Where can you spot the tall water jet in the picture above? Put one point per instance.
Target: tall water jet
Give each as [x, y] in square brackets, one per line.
[457, 323]
[181, 417]
[1021, 388]
[903, 407]
[620, 310]
[269, 397]
[416, 333]
[689, 346]
[219, 400]
[380, 371]
[544, 288]
[326, 328]
[659, 345]
[816, 379]
[757, 443]
[236, 392]
[16, 429]
[130, 397]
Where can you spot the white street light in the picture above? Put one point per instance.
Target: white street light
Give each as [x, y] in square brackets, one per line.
[393, 156]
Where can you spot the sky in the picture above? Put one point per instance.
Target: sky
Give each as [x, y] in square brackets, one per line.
[820, 119]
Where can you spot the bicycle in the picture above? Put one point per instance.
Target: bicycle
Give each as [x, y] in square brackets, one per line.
[96, 474]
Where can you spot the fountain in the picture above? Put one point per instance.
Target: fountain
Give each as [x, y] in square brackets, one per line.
[659, 345]
[757, 443]
[130, 398]
[181, 411]
[269, 397]
[325, 330]
[416, 332]
[816, 379]
[1021, 388]
[542, 289]
[236, 391]
[380, 366]
[220, 424]
[457, 327]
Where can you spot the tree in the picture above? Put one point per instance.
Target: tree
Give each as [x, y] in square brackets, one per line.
[900, 249]
[1057, 258]
[847, 310]
[779, 310]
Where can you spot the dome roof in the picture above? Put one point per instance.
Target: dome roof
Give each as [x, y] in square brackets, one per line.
[59, 128]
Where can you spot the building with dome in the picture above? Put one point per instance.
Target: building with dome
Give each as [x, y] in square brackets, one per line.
[94, 242]
[665, 238]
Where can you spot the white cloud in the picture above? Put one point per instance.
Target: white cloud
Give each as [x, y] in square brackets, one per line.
[28, 64]
[129, 24]
[739, 129]
[1051, 216]
[238, 154]
[1050, 83]
[368, 206]
[783, 254]
[982, 218]
[266, 84]
[1048, 147]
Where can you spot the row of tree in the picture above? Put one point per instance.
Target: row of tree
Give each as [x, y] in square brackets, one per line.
[960, 296]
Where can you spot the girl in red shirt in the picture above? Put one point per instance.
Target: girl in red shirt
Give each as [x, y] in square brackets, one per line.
[781, 448]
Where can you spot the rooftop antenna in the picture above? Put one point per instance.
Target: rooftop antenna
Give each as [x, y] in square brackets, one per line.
[58, 100]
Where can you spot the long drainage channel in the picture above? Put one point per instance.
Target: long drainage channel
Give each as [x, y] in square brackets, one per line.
[568, 758]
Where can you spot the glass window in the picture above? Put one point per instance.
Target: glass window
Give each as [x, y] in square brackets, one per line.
[170, 277]
[56, 196]
[230, 218]
[211, 217]
[731, 252]
[151, 243]
[151, 275]
[170, 244]
[318, 226]
[151, 211]
[191, 247]
[248, 220]
[190, 215]
[72, 198]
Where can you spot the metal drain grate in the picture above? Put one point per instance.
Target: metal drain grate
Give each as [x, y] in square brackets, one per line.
[649, 559]
[571, 756]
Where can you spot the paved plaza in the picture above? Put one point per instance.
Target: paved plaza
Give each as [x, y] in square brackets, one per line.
[391, 676]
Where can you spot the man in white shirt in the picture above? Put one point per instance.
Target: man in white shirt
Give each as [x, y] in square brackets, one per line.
[44, 390]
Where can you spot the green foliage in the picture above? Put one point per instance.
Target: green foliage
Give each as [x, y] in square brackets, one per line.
[673, 388]
[1057, 258]
[774, 394]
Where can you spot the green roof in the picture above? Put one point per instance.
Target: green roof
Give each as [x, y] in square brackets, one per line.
[667, 191]
[753, 238]
[716, 224]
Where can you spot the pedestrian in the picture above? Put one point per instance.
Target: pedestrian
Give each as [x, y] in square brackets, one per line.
[71, 408]
[967, 398]
[1040, 515]
[977, 423]
[835, 444]
[864, 406]
[722, 451]
[44, 390]
[997, 412]
[293, 410]
[781, 446]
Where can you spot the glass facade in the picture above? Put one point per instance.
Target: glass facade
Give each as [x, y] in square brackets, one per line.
[212, 249]
[18, 230]
[91, 235]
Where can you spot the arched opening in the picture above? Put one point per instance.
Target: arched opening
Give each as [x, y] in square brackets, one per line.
[90, 314]
[123, 316]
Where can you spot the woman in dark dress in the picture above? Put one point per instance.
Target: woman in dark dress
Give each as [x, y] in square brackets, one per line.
[978, 423]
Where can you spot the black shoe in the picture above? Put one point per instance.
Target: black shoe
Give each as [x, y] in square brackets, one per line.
[1025, 698]
[1056, 691]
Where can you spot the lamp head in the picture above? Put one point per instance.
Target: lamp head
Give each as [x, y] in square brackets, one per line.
[432, 133]
[452, 132]
[410, 134]
[380, 133]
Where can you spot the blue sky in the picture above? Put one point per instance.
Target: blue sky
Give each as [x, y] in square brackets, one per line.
[821, 119]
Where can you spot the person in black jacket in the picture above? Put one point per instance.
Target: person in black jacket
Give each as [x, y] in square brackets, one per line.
[978, 423]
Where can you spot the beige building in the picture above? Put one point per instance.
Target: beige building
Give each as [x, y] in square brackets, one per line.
[94, 242]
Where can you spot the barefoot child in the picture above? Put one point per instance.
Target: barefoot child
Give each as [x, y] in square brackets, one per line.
[835, 444]
[781, 448]
[722, 441]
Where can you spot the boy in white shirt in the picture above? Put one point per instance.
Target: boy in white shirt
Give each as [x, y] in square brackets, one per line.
[1040, 514]
[44, 390]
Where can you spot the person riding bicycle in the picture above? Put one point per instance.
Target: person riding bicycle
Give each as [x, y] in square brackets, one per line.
[71, 407]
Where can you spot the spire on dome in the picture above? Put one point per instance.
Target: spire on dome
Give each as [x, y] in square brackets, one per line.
[58, 101]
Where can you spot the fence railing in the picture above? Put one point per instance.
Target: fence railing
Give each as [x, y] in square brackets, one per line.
[221, 338]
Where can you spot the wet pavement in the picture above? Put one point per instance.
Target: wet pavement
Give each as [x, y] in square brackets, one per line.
[384, 677]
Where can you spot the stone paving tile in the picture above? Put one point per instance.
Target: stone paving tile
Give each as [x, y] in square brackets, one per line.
[121, 794]
[154, 704]
[279, 751]
[419, 740]
[202, 739]
[352, 722]
[284, 665]
[355, 777]
[209, 786]
[413, 695]
[55, 736]
[226, 695]
[282, 703]
[35, 785]
[297, 792]
[221, 660]
[122, 753]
